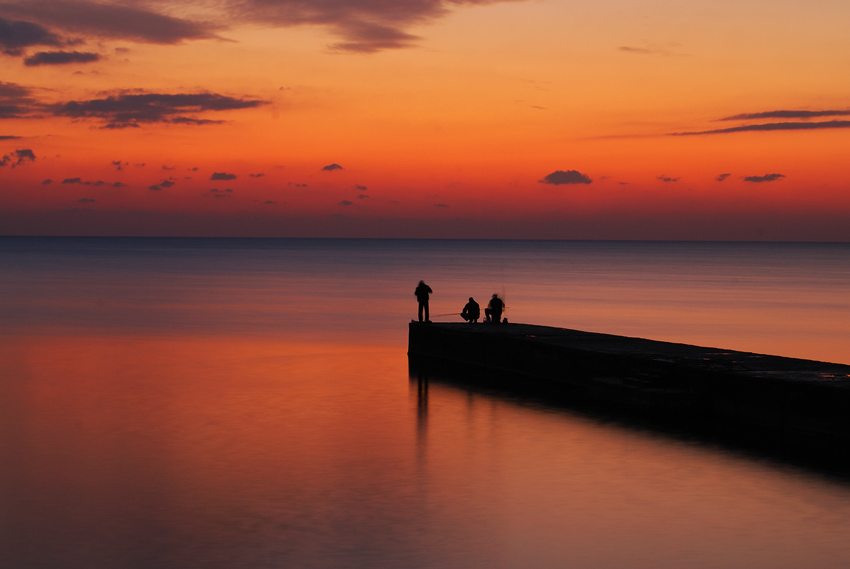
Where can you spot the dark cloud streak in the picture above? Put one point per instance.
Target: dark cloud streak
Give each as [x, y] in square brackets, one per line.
[770, 127]
[107, 20]
[60, 58]
[128, 110]
[765, 178]
[15, 101]
[786, 115]
[15, 35]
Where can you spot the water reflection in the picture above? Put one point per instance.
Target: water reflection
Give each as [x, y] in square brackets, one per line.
[567, 485]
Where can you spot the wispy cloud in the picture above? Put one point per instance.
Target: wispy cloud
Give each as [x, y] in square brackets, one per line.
[362, 26]
[722, 177]
[114, 20]
[129, 110]
[60, 58]
[652, 49]
[668, 178]
[332, 167]
[222, 176]
[786, 115]
[16, 101]
[770, 127]
[802, 124]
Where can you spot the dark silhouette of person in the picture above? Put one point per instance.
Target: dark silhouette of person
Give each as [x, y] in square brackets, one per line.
[422, 291]
[493, 312]
[471, 311]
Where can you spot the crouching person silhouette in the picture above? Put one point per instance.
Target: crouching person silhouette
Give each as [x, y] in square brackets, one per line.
[471, 312]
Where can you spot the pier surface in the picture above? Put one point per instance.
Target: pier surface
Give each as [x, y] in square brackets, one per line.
[787, 401]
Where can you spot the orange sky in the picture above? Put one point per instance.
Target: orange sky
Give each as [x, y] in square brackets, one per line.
[382, 118]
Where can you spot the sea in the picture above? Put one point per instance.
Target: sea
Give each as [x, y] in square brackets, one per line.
[215, 403]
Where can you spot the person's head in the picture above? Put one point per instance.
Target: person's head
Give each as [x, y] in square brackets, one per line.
[470, 299]
[495, 295]
[422, 282]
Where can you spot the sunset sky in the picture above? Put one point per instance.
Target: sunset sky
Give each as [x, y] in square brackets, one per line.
[612, 119]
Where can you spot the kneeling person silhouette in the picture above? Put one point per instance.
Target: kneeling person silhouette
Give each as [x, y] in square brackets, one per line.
[471, 311]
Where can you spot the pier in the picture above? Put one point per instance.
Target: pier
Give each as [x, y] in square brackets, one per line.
[772, 401]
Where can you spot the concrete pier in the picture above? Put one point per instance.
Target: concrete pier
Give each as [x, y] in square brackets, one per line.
[786, 402]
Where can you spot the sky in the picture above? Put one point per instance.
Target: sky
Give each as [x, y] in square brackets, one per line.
[526, 119]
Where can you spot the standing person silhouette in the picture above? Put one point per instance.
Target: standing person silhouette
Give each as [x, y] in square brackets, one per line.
[422, 291]
[493, 312]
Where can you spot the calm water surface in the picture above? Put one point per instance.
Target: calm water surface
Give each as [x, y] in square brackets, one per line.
[247, 403]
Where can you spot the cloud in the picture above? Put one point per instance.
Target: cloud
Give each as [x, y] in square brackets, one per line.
[60, 58]
[82, 182]
[18, 34]
[362, 197]
[765, 178]
[119, 165]
[569, 177]
[18, 157]
[46, 182]
[652, 49]
[786, 115]
[128, 110]
[722, 177]
[269, 202]
[360, 188]
[166, 184]
[188, 120]
[222, 176]
[154, 188]
[346, 202]
[9, 137]
[15, 101]
[440, 205]
[636, 50]
[369, 37]
[770, 126]
[108, 20]
[216, 193]
[258, 175]
[85, 200]
[363, 26]
[668, 178]
[332, 167]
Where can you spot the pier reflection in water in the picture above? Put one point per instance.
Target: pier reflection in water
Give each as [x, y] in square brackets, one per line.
[569, 482]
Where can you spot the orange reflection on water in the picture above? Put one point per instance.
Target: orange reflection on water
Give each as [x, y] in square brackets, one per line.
[143, 443]
[227, 451]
